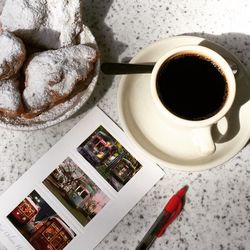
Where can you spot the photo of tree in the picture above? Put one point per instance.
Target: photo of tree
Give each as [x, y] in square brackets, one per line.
[109, 158]
[40, 224]
[76, 191]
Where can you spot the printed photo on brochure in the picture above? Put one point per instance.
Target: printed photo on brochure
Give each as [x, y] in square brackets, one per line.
[116, 165]
[76, 191]
[39, 224]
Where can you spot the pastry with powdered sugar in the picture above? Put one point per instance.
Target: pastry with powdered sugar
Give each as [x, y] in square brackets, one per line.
[51, 76]
[50, 24]
[10, 98]
[12, 55]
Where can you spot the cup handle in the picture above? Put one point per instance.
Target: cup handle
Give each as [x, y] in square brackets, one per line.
[202, 138]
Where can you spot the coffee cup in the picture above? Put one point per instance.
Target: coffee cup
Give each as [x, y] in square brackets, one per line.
[193, 87]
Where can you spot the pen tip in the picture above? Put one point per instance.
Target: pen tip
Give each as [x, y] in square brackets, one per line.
[182, 191]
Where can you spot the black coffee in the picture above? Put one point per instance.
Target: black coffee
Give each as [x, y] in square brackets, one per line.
[191, 87]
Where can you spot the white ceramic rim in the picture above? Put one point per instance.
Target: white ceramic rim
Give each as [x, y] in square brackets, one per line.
[215, 58]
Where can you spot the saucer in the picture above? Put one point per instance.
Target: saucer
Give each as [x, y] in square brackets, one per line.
[167, 144]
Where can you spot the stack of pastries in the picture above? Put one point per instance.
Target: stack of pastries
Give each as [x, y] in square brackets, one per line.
[41, 60]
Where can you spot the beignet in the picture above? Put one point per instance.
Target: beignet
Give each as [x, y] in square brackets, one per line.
[49, 24]
[51, 76]
[12, 55]
[10, 98]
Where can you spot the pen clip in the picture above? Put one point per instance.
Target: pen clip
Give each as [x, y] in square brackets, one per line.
[171, 219]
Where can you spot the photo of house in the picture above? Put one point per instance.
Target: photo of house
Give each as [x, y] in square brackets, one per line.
[76, 191]
[40, 224]
[109, 158]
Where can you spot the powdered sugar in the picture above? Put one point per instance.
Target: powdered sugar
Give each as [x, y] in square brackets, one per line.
[64, 16]
[12, 54]
[10, 98]
[53, 74]
[45, 23]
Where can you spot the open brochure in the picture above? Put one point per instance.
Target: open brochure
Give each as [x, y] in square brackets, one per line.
[78, 191]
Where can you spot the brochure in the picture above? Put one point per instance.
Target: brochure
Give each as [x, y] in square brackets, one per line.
[74, 195]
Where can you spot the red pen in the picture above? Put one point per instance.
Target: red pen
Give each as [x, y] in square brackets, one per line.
[171, 210]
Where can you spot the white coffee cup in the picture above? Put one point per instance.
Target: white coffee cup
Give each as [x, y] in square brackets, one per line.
[200, 129]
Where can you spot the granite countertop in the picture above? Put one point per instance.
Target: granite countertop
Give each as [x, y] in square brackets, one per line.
[217, 209]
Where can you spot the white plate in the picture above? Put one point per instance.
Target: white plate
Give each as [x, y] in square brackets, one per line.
[63, 110]
[163, 142]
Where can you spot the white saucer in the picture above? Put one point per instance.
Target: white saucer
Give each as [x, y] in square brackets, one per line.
[163, 142]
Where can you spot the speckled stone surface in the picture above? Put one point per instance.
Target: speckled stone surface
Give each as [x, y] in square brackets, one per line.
[217, 210]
